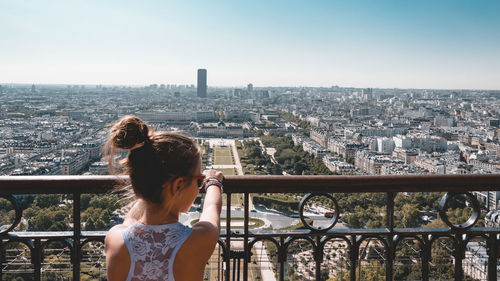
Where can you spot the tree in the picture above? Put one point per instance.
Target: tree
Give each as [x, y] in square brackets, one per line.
[409, 216]
[89, 224]
[47, 200]
[299, 167]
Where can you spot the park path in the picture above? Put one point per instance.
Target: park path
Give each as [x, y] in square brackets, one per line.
[266, 267]
[237, 161]
[236, 157]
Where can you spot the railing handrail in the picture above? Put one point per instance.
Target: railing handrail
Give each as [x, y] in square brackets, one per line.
[388, 236]
[266, 184]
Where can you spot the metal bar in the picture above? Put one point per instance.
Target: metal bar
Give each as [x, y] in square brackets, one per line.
[245, 239]
[390, 243]
[273, 184]
[2, 258]
[493, 249]
[389, 262]
[390, 211]
[318, 258]
[228, 237]
[426, 255]
[234, 269]
[37, 259]
[353, 256]
[76, 236]
[459, 253]
[282, 258]
[266, 184]
[239, 271]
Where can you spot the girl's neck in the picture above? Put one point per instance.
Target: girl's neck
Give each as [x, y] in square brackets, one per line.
[156, 215]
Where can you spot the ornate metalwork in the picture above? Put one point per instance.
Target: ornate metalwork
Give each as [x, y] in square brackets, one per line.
[333, 219]
[444, 205]
[18, 212]
[359, 243]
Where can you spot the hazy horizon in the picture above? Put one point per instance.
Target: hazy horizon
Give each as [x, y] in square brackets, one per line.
[28, 85]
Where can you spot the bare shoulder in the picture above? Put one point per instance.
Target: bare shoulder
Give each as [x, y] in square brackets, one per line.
[114, 236]
[117, 255]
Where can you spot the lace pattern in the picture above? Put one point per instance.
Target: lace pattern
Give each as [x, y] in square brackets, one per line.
[152, 250]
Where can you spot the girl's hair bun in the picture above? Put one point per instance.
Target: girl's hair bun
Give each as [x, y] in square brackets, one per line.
[128, 132]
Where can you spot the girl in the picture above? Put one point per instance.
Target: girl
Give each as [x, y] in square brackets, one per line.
[164, 171]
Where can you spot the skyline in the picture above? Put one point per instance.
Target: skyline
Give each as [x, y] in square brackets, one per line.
[388, 44]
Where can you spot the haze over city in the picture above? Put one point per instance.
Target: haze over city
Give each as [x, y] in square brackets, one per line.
[379, 44]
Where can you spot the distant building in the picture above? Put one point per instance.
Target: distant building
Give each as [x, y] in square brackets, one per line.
[320, 136]
[489, 200]
[492, 122]
[33, 89]
[433, 166]
[344, 148]
[202, 83]
[370, 162]
[73, 161]
[442, 121]
[367, 94]
[221, 130]
[402, 141]
[176, 116]
[475, 262]
[250, 87]
[99, 168]
[385, 145]
[338, 166]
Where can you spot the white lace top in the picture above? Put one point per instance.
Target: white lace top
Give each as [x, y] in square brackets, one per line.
[152, 249]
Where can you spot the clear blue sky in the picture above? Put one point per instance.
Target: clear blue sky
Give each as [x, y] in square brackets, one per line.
[404, 44]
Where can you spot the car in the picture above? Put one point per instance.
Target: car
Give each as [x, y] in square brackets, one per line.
[329, 214]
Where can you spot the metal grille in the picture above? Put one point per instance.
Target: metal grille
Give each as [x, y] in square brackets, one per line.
[305, 254]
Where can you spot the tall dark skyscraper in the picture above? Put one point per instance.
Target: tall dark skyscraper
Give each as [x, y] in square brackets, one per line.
[202, 83]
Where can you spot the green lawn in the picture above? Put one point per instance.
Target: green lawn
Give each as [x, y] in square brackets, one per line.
[223, 156]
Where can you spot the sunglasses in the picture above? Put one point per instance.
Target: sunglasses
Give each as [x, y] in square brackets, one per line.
[200, 180]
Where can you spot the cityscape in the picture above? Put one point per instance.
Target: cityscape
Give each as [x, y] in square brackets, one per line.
[61, 130]
[360, 140]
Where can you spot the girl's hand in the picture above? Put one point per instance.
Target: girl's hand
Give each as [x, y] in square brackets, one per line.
[214, 173]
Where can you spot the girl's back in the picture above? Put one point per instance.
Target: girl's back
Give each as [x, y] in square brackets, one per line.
[153, 248]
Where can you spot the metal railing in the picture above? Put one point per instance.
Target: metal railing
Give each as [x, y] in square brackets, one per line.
[355, 240]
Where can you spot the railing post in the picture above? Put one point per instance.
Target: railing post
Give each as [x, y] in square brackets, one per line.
[390, 243]
[2, 258]
[228, 237]
[282, 258]
[459, 254]
[36, 257]
[353, 256]
[390, 211]
[76, 237]
[492, 257]
[318, 257]
[390, 254]
[245, 242]
[426, 256]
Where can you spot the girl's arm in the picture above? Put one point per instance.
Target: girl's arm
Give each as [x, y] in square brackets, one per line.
[201, 243]
[212, 204]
